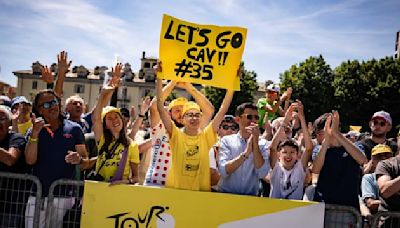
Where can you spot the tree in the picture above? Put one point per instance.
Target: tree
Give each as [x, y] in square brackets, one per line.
[311, 81]
[365, 88]
[248, 88]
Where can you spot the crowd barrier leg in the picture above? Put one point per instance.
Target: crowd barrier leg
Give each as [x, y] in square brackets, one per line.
[386, 219]
[15, 192]
[341, 216]
[64, 206]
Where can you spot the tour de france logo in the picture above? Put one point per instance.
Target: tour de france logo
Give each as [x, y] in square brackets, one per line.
[157, 214]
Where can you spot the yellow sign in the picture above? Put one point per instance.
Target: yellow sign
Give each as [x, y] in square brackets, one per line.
[201, 54]
[139, 206]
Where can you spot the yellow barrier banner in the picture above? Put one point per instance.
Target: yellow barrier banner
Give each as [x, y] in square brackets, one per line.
[139, 206]
[201, 54]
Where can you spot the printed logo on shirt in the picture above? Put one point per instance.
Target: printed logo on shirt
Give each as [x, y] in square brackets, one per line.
[192, 152]
[67, 136]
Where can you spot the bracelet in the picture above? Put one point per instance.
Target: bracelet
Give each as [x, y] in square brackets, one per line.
[140, 115]
[32, 140]
[243, 156]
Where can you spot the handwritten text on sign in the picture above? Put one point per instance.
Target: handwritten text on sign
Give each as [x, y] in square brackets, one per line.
[203, 54]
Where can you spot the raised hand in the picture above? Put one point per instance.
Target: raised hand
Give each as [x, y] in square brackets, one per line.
[63, 64]
[328, 129]
[158, 68]
[46, 76]
[335, 121]
[133, 111]
[300, 109]
[115, 79]
[37, 125]
[145, 105]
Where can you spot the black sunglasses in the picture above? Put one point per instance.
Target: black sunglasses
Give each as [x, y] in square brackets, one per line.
[49, 104]
[232, 127]
[252, 117]
[381, 123]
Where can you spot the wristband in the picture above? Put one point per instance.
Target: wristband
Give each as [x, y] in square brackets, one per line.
[140, 115]
[32, 140]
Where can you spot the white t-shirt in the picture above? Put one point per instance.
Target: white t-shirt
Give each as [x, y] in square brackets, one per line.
[287, 184]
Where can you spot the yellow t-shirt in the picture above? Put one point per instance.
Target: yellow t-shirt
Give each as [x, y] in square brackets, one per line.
[111, 165]
[190, 168]
[24, 127]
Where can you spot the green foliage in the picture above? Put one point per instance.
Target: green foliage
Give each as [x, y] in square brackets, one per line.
[248, 87]
[311, 81]
[367, 87]
[356, 89]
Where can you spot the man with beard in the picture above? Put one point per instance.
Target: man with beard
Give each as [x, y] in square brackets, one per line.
[380, 124]
[160, 158]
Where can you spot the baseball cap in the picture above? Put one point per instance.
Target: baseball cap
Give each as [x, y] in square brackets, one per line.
[381, 148]
[273, 87]
[19, 100]
[109, 109]
[177, 102]
[190, 105]
[382, 115]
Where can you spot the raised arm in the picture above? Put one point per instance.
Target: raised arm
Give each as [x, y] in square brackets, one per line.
[139, 119]
[306, 135]
[31, 147]
[165, 118]
[279, 135]
[105, 96]
[205, 105]
[154, 115]
[223, 109]
[320, 159]
[63, 66]
[352, 149]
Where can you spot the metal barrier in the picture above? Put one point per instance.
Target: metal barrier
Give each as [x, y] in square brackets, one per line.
[15, 189]
[64, 206]
[386, 219]
[341, 216]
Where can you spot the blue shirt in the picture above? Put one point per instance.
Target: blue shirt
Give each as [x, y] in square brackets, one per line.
[369, 187]
[52, 149]
[244, 180]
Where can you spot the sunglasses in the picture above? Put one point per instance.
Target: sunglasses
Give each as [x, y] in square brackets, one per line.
[381, 123]
[251, 117]
[232, 127]
[193, 115]
[49, 104]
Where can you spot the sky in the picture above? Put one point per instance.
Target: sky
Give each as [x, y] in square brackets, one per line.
[280, 33]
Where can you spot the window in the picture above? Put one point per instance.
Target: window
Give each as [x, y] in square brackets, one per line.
[147, 65]
[34, 84]
[79, 89]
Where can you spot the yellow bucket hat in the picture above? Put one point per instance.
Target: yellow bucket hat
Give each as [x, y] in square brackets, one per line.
[190, 105]
[381, 148]
[109, 109]
[177, 102]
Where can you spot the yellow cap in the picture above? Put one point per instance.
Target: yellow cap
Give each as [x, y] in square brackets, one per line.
[109, 109]
[190, 105]
[177, 102]
[381, 148]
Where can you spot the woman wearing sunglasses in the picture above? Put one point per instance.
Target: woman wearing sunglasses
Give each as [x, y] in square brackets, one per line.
[118, 159]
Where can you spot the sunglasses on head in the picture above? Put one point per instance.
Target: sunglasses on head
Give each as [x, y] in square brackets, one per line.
[232, 127]
[49, 104]
[381, 123]
[251, 117]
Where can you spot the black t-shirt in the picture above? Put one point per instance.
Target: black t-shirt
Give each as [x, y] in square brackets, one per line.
[389, 167]
[339, 180]
[368, 144]
[17, 141]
